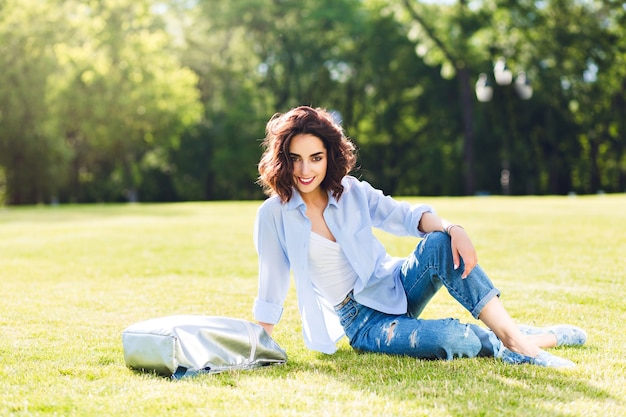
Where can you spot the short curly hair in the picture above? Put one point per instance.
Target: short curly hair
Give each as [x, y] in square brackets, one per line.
[276, 167]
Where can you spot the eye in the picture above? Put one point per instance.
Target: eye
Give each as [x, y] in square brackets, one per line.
[317, 158]
[294, 158]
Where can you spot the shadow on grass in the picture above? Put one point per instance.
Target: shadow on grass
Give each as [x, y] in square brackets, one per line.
[462, 387]
[480, 386]
[465, 384]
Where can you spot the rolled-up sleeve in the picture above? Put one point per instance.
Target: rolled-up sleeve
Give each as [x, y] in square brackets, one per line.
[267, 312]
[274, 269]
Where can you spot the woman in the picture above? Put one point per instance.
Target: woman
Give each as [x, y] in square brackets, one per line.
[318, 224]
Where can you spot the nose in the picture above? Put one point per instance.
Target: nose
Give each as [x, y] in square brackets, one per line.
[304, 168]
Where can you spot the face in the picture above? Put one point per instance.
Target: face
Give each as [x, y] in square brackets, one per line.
[309, 158]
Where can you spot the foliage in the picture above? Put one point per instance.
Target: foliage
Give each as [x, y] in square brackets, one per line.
[100, 100]
[122, 95]
[29, 155]
[559, 45]
[167, 100]
[75, 276]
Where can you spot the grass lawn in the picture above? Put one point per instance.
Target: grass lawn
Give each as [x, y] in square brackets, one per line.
[73, 277]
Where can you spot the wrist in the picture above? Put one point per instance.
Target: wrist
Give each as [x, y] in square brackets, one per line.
[448, 228]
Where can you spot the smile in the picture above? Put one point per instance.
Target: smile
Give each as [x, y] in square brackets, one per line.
[306, 181]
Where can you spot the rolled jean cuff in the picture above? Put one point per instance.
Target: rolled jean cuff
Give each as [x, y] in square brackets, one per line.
[494, 292]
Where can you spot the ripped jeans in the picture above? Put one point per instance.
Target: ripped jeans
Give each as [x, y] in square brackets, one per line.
[423, 273]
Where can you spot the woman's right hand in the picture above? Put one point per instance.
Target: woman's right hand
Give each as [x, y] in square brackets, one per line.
[268, 327]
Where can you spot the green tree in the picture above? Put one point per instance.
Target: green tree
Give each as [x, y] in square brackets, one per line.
[97, 102]
[254, 58]
[596, 97]
[258, 57]
[398, 111]
[449, 37]
[557, 142]
[123, 99]
[30, 153]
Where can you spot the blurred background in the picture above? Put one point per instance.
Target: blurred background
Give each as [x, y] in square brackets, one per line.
[140, 100]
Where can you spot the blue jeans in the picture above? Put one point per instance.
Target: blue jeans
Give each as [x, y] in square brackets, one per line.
[423, 273]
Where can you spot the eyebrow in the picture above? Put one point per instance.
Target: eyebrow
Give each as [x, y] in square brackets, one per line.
[313, 154]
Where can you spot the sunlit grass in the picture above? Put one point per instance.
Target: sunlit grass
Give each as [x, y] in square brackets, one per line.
[73, 277]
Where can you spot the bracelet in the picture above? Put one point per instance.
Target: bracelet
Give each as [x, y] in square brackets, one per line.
[449, 228]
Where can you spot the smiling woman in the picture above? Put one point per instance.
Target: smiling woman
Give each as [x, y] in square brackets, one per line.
[308, 155]
[277, 164]
[318, 223]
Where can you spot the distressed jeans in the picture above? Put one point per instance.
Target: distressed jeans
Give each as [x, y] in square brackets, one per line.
[423, 273]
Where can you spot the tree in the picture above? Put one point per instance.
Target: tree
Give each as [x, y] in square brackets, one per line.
[446, 37]
[555, 139]
[255, 58]
[31, 155]
[167, 100]
[597, 100]
[123, 100]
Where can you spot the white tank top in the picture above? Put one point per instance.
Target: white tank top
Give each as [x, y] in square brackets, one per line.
[329, 269]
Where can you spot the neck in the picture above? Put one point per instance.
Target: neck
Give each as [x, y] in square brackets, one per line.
[319, 198]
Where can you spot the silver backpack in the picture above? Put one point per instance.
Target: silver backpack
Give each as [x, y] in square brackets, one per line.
[186, 345]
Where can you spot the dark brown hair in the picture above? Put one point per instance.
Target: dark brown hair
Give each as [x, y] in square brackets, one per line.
[276, 167]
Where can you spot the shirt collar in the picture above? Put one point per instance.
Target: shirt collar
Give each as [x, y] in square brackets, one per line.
[332, 201]
[295, 201]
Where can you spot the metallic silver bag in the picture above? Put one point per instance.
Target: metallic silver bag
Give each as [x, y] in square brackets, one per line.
[186, 345]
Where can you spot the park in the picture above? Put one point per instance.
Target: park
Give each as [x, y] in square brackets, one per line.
[74, 277]
[130, 134]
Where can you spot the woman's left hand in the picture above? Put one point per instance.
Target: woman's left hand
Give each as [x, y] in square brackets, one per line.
[463, 248]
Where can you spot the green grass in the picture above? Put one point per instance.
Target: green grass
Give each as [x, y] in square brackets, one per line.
[73, 277]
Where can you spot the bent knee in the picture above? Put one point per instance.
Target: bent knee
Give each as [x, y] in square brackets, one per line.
[438, 238]
[435, 240]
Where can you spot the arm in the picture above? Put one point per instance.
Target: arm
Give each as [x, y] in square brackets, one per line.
[267, 326]
[462, 247]
[401, 219]
[396, 217]
[273, 278]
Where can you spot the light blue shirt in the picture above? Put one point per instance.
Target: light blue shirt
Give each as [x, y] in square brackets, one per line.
[281, 237]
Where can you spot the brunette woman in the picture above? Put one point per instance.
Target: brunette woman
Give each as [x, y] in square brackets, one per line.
[317, 224]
